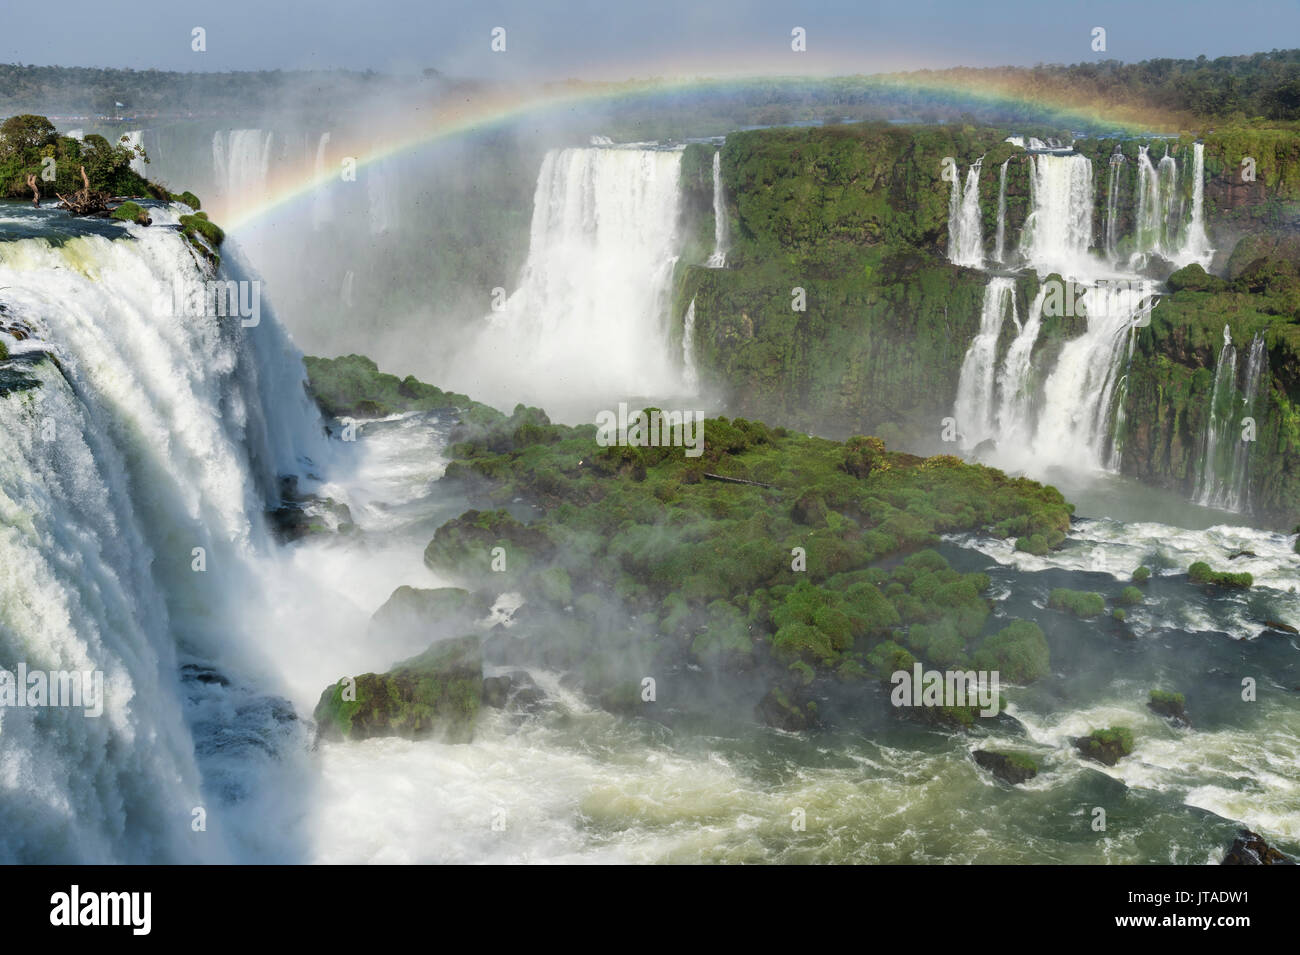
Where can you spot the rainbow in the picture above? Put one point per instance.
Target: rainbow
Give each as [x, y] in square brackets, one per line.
[484, 110]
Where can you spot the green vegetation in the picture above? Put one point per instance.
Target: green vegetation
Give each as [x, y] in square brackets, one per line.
[1018, 652]
[1200, 573]
[1082, 604]
[1142, 575]
[131, 212]
[1129, 596]
[354, 386]
[28, 143]
[1106, 745]
[779, 579]
[856, 216]
[203, 235]
[1009, 766]
[1172, 706]
[187, 197]
[435, 693]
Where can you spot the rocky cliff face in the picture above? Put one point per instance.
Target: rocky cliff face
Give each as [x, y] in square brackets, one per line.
[851, 223]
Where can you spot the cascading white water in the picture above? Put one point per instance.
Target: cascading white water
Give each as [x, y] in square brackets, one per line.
[588, 324]
[381, 205]
[1063, 415]
[1014, 417]
[690, 373]
[1196, 243]
[1238, 494]
[322, 202]
[965, 231]
[152, 436]
[1160, 229]
[1058, 229]
[241, 159]
[976, 396]
[133, 140]
[1223, 480]
[1208, 486]
[1112, 206]
[718, 258]
[1000, 242]
[1074, 427]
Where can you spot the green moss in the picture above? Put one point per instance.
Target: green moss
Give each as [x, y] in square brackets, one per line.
[435, 693]
[1200, 573]
[1107, 745]
[187, 197]
[1080, 603]
[668, 569]
[131, 212]
[353, 386]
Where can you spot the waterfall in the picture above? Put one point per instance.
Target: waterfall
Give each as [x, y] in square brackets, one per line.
[976, 396]
[1196, 245]
[1075, 424]
[1016, 399]
[1159, 217]
[322, 202]
[1058, 229]
[1000, 243]
[1112, 206]
[690, 373]
[241, 159]
[1224, 478]
[718, 259]
[965, 233]
[149, 436]
[589, 322]
[1210, 488]
[381, 207]
[133, 139]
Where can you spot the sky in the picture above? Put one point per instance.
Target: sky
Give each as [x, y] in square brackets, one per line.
[609, 39]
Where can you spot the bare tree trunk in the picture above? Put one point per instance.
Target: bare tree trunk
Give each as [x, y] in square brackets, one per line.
[36, 190]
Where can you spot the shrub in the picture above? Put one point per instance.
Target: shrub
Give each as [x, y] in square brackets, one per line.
[1142, 575]
[1129, 597]
[1078, 602]
[1019, 652]
[1200, 573]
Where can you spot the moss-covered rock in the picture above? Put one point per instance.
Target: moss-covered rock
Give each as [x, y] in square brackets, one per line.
[1013, 768]
[353, 386]
[411, 612]
[1172, 706]
[434, 694]
[1106, 746]
[187, 197]
[1201, 573]
[131, 212]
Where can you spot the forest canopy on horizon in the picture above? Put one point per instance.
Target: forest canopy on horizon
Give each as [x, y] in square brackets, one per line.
[1259, 86]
